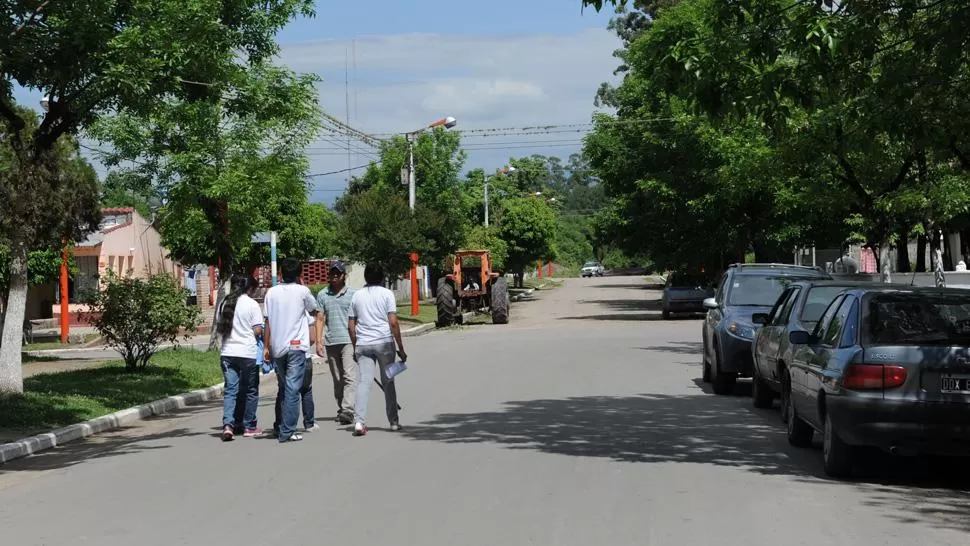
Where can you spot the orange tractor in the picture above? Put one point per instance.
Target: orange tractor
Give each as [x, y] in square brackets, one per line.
[472, 286]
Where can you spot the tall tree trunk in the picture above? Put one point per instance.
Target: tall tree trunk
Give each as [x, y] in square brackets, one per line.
[948, 262]
[902, 253]
[11, 371]
[921, 253]
[225, 285]
[882, 262]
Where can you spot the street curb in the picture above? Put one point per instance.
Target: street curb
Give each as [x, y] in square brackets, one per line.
[418, 330]
[33, 444]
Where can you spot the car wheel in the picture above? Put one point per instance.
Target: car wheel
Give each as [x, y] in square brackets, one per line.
[722, 382]
[761, 395]
[785, 394]
[837, 456]
[665, 314]
[705, 363]
[799, 432]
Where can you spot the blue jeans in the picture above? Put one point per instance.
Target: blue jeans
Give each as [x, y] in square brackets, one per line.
[241, 395]
[290, 369]
[306, 394]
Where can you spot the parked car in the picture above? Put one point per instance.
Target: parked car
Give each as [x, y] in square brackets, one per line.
[685, 293]
[744, 289]
[885, 367]
[592, 269]
[798, 308]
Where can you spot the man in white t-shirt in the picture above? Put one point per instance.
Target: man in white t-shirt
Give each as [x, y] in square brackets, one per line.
[374, 330]
[287, 338]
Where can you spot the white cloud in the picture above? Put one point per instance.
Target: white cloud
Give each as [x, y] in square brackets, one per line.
[403, 82]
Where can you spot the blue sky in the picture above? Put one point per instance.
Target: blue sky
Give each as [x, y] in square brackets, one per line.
[494, 64]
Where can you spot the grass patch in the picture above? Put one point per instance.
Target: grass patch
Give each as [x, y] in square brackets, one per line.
[48, 345]
[427, 313]
[59, 399]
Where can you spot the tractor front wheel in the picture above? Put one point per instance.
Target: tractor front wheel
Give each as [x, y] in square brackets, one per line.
[446, 303]
[500, 301]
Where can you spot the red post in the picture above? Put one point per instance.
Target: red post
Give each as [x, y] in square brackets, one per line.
[540, 269]
[65, 310]
[414, 284]
[549, 269]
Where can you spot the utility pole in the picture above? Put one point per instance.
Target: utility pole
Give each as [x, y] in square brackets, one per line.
[447, 123]
[412, 182]
[488, 178]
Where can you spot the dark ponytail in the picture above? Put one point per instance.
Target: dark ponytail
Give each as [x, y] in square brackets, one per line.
[240, 285]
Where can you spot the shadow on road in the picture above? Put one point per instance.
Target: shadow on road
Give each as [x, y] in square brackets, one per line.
[634, 286]
[702, 429]
[122, 441]
[679, 348]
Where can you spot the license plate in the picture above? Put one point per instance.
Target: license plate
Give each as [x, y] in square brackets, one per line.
[955, 384]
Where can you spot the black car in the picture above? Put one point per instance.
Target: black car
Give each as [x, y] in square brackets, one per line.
[798, 308]
[886, 367]
[744, 289]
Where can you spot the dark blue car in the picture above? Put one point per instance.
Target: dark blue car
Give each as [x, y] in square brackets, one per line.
[885, 367]
[744, 289]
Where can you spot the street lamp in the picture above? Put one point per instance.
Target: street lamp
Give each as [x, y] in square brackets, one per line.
[447, 123]
[488, 177]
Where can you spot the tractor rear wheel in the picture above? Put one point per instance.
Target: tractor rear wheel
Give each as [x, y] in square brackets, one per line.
[500, 301]
[446, 303]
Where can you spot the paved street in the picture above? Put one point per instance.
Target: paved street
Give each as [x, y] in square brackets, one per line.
[583, 422]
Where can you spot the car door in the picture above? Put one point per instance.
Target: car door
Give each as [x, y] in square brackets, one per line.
[778, 334]
[809, 356]
[838, 332]
[713, 317]
[766, 335]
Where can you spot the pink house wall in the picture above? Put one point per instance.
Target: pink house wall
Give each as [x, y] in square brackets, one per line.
[134, 248]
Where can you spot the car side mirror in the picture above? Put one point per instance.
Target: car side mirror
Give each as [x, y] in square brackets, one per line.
[800, 337]
[710, 303]
[760, 318]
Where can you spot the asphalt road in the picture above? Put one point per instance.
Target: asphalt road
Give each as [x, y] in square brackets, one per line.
[582, 422]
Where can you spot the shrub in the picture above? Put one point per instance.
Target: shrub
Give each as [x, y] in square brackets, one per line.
[135, 316]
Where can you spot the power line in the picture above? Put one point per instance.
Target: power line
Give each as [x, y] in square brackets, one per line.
[338, 172]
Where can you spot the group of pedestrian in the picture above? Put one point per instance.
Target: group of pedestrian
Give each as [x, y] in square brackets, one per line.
[356, 331]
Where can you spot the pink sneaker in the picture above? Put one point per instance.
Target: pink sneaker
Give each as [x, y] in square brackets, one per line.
[360, 429]
[253, 432]
[227, 434]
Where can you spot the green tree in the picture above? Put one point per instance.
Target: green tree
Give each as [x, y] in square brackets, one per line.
[135, 316]
[376, 226]
[225, 168]
[91, 58]
[528, 226]
[440, 191]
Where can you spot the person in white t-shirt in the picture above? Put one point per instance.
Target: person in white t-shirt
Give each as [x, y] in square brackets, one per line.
[240, 322]
[374, 330]
[287, 343]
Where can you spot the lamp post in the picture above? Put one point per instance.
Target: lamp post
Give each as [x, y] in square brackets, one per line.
[447, 123]
[45, 104]
[488, 178]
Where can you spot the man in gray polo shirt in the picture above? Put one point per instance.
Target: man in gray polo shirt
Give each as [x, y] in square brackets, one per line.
[333, 309]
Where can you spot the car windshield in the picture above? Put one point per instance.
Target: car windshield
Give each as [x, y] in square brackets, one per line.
[919, 319]
[818, 300]
[758, 290]
[589, 264]
[689, 280]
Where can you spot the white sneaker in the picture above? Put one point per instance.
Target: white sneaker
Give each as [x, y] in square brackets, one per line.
[313, 428]
[360, 429]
